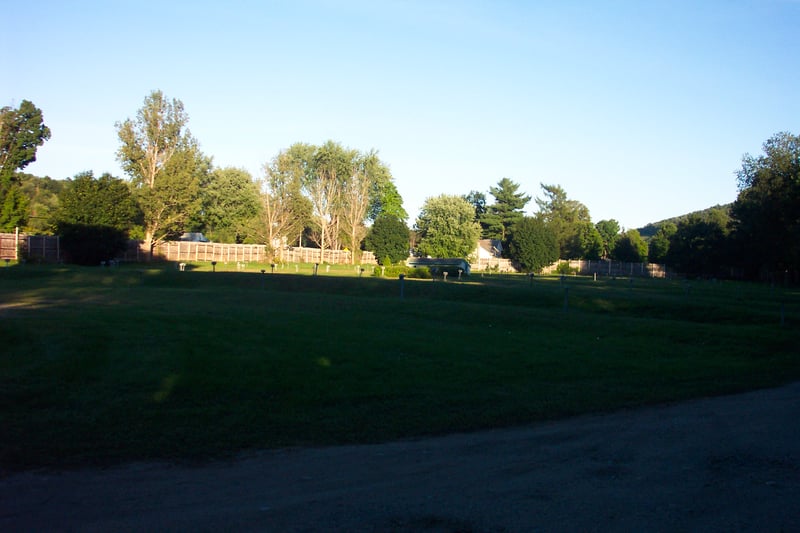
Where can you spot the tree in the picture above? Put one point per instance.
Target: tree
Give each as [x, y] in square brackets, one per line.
[562, 215]
[22, 131]
[698, 246]
[609, 233]
[766, 213]
[630, 248]
[94, 217]
[284, 212]
[164, 164]
[447, 227]
[229, 200]
[532, 245]
[322, 183]
[585, 243]
[42, 195]
[385, 199]
[478, 200]
[344, 187]
[658, 247]
[357, 196]
[169, 207]
[505, 211]
[388, 239]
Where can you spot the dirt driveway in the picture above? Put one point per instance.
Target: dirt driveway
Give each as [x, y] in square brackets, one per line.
[719, 464]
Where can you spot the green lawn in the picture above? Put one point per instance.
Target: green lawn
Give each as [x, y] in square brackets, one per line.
[100, 366]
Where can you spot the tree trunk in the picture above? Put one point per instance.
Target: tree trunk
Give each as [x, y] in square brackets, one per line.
[148, 244]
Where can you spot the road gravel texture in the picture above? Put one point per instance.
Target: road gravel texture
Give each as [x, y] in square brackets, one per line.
[717, 464]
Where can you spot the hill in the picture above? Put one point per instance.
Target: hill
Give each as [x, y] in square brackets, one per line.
[650, 229]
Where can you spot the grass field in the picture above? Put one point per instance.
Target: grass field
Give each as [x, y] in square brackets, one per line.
[100, 366]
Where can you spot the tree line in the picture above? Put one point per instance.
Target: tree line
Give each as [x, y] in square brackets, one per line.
[334, 197]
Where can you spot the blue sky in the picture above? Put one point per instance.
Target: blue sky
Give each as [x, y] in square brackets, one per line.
[641, 110]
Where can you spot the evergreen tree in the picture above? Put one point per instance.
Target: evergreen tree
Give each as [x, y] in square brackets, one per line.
[505, 211]
[388, 239]
[532, 246]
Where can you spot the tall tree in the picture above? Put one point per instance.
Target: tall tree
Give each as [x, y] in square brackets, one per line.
[562, 215]
[532, 245]
[164, 164]
[285, 212]
[367, 170]
[22, 131]
[384, 197]
[630, 247]
[93, 218]
[585, 243]
[230, 200]
[322, 182]
[766, 213]
[658, 247]
[699, 244]
[505, 211]
[42, 194]
[447, 227]
[609, 233]
[478, 200]
[388, 239]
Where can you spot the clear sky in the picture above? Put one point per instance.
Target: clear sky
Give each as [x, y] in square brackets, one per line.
[640, 109]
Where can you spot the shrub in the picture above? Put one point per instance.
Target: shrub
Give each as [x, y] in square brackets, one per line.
[89, 245]
[564, 269]
[394, 271]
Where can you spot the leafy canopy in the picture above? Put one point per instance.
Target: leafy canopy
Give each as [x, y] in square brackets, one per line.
[93, 218]
[532, 245]
[388, 239]
[630, 248]
[766, 213]
[165, 166]
[22, 131]
[446, 227]
[564, 217]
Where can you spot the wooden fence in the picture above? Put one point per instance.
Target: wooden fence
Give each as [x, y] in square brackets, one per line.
[312, 255]
[611, 268]
[210, 251]
[492, 263]
[18, 246]
[47, 248]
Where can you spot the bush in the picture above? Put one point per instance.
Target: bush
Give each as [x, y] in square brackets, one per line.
[394, 271]
[89, 245]
[564, 269]
[420, 273]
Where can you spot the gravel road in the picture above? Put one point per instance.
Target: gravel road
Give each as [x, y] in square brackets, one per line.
[718, 464]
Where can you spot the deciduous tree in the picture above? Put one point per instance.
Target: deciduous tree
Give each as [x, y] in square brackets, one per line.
[42, 194]
[22, 131]
[164, 164]
[630, 247]
[766, 213]
[93, 218]
[230, 200]
[447, 227]
[609, 233]
[562, 215]
[698, 246]
[285, 212]
[388, 239]
[658, 247]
